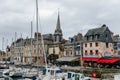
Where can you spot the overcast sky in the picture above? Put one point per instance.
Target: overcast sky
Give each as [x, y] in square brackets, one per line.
[75, 15]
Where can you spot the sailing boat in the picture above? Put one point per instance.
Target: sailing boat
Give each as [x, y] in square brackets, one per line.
[52, 73]
[30, 73]
[15, 72]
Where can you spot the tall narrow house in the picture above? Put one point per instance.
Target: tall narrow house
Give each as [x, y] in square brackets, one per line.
[58, 36]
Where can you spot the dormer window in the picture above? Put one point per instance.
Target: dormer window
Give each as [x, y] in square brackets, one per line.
[98, 36]
[87, 38]
[71, 40]
[92, 37]
[106, 35]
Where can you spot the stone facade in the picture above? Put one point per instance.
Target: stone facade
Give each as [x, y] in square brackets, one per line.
[97, 49]
[98, 43]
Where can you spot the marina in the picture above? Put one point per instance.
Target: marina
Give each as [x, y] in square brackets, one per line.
[91, 55]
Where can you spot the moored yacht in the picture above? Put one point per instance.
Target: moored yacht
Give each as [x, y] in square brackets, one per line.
[52, 73]
[75, 76]
[30, 73]
[16, 73]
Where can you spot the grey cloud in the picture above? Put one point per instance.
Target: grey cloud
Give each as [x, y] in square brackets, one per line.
[76, 16]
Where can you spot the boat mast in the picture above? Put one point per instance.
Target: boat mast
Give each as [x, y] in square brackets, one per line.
[2, 46]
[44, 53]
[6, 50]
[41, 35]
[31, 43]
[15, 47]
[37, 52]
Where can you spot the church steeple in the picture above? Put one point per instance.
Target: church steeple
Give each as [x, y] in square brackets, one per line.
[58, 31]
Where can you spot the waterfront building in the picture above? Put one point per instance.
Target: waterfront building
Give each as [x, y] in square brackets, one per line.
[2, 55]
[28, 51]
[56, 48]
[72, 51]
[116, 39]
[98, 42]
[17, 50]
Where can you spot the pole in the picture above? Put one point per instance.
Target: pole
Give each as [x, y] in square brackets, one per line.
[15, 47]
[6, 50]
[31, 43]
[2, 46]
[37, 33]
[81, 54]
[37, 28]
[21, 51]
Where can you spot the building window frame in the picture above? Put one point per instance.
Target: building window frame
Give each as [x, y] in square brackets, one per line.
[86, 53]
[96, 44]
[96, 52]
[107, 45]
[85, 44]
[90, 44]
[91, 52]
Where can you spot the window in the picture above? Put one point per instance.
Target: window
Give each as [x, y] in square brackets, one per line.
[91, 52]
[87, 38]
[93, 37]
[97, 36]
[90, 38]
[85, 45]
[106, 35]
[86, 52]
[71, 52]
[90, 44]
[96, 52]
[107, 45]
[96, 44]
[112, 50]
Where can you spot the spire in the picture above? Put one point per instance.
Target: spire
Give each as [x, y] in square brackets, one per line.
[58, 22]
[58, 32]
[58, 27]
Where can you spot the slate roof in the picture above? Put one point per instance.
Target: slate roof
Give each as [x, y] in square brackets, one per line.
[102, 32]
[48, 36]
[95, 31]
[71, 41]
[19, 42]
[28, 41]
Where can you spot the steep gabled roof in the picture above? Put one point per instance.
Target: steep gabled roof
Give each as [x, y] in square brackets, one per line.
[96, 30]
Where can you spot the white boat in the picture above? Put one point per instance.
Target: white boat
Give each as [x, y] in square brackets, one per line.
[75, 76]
[30, 73]
[17, 72]
[4, 69]
[52, 73]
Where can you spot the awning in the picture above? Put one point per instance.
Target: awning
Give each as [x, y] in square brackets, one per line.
[66, 58]
[90, 59]
[108, 61]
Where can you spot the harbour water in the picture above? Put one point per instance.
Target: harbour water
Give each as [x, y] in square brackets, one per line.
[17, 78]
